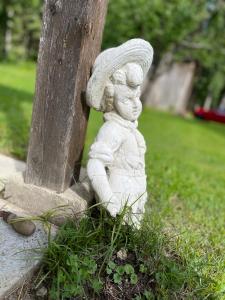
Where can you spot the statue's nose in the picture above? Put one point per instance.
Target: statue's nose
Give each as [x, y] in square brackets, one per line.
[136, 102]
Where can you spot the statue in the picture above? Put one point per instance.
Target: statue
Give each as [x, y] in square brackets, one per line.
[116, 165]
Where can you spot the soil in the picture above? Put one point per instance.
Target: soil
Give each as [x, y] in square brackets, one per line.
[126, 290]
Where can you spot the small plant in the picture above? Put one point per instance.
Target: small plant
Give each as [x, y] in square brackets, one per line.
[82, 273]
[121, 272]
[143, 268]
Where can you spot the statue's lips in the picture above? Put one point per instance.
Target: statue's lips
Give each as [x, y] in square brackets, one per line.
[135, 112]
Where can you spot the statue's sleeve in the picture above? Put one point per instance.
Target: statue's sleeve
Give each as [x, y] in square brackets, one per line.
[106, 143]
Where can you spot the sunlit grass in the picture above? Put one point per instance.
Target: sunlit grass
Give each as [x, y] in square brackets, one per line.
[185, 166]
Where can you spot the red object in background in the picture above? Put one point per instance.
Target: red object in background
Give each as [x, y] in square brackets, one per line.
[210, 115]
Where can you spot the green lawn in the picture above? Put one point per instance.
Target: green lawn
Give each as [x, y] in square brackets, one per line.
[16, 94]
[186, 176]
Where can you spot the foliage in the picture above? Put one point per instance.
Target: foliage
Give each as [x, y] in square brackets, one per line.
[161, 22]
[206, 46]
[21, 24]
[119, 271]
[3, 27]
[81, 273]
[25, 26]
[191, 30]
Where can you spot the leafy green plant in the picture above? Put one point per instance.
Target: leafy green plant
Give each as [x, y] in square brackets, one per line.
[81, 274]
[143, 268]
[121, 272]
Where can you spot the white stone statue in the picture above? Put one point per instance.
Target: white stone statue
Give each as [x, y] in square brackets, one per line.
[116, 165]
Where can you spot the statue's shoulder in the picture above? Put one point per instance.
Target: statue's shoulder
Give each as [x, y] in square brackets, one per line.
[111, 132]
[111, 127]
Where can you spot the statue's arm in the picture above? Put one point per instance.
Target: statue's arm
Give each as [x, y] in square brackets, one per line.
[99, 181]
[101, 156]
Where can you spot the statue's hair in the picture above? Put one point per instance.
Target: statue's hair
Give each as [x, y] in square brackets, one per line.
[108, 97]
[120, 76]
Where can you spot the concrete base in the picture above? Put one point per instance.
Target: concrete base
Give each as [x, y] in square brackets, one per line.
[38, 200]
[9, 165]
[19, 256]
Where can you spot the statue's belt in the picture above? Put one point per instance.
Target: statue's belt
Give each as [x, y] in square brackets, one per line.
[128, 173]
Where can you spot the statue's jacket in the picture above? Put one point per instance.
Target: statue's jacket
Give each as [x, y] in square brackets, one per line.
[121, 147]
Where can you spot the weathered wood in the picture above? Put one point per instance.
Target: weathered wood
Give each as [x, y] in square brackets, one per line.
[70, 41]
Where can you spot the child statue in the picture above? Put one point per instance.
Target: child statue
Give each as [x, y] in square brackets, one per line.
[116, 165]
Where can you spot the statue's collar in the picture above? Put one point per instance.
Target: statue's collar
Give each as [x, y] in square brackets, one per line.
[112, 116]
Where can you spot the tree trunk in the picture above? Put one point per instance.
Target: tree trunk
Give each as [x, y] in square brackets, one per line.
[70, 41]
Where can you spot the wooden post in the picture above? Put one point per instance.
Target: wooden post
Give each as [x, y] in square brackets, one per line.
[70, 41]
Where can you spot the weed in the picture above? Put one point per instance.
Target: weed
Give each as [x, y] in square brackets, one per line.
[118, 272]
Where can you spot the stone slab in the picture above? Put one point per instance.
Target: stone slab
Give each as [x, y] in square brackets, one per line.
[38, 200]
[7, 206]
[19, 256]
[9, 165]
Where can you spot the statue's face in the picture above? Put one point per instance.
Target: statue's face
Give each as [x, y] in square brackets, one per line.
[127, 101]
[127, 92]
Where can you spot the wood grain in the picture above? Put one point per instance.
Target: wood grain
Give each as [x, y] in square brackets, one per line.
[70, 41]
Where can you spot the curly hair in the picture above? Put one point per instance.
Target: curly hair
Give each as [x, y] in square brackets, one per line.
[118, 77]
[128, 74]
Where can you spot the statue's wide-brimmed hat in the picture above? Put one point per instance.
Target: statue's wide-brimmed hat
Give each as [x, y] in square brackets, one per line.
[133, 51]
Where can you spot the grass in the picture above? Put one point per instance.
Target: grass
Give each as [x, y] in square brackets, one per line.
[16, 95]
[185, 166]
[84, 261]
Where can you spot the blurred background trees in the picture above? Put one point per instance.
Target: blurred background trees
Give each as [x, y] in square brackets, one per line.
[188, 30]
[20, 24]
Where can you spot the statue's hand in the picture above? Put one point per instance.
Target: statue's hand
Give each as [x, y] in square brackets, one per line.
[113, 206]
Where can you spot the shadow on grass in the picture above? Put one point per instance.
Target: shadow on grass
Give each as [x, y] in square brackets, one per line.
[16, 108]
